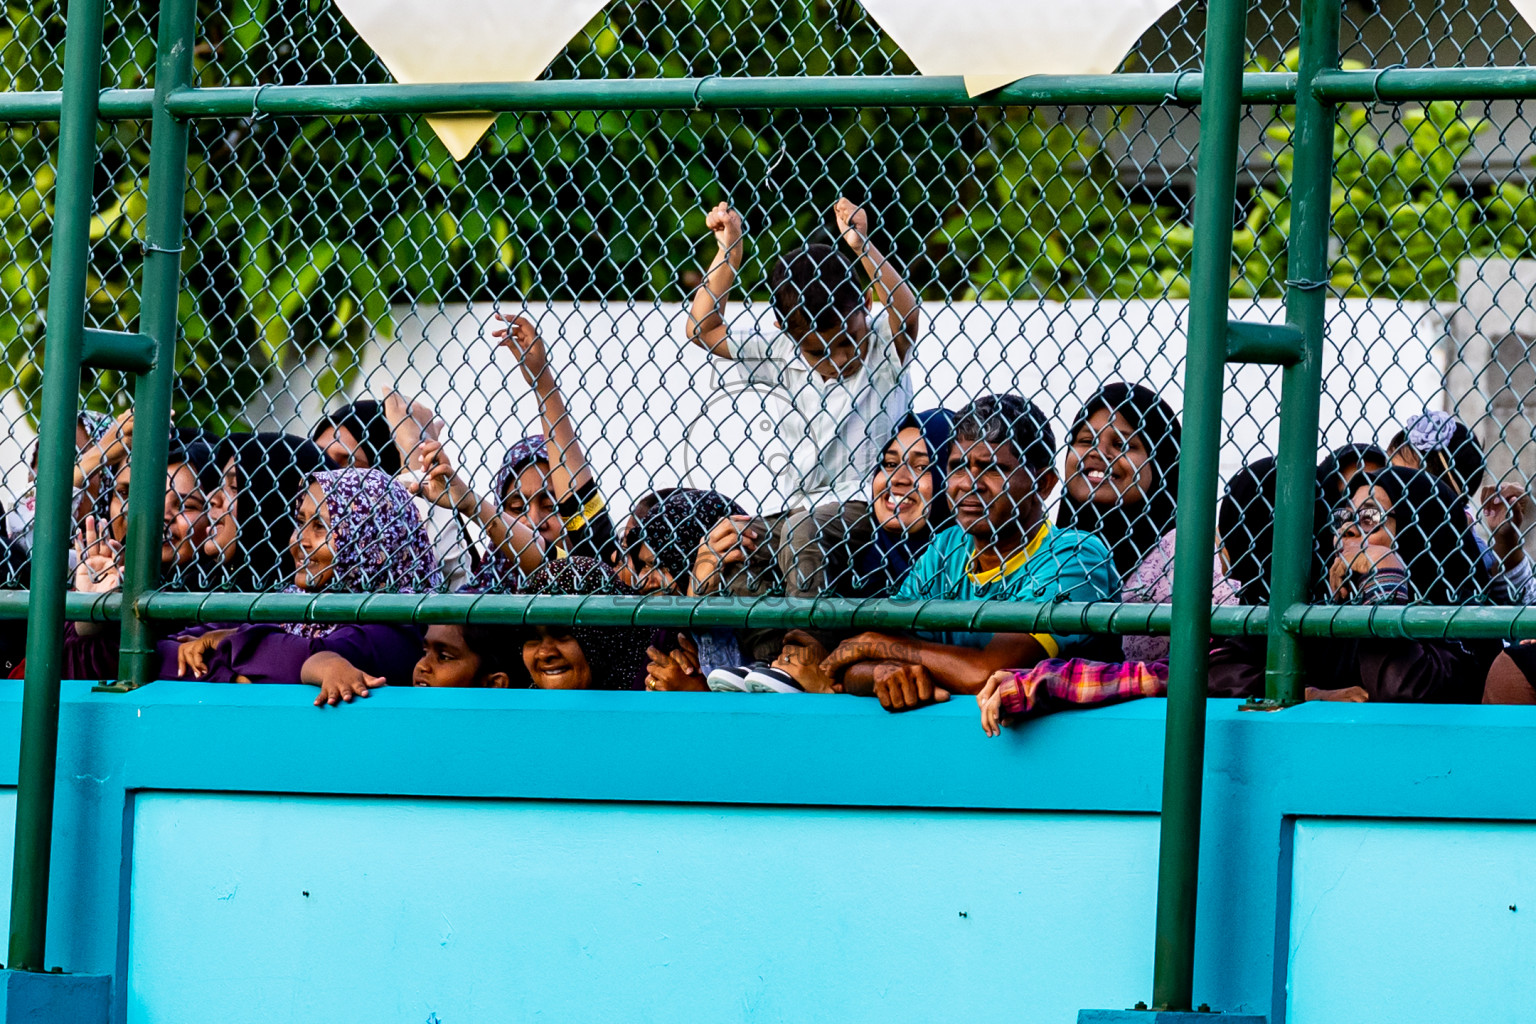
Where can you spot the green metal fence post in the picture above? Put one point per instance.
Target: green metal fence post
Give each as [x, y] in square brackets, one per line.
[74, 194]
[1301, 385]
[158, 318]
[1204, 380]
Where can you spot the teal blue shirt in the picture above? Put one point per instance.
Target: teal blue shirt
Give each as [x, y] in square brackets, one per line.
[1056, 565]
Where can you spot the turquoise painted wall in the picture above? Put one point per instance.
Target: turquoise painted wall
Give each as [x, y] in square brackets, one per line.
[493, 856]
[595, 912]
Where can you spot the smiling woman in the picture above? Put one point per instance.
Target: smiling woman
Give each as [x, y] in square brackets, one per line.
[582, 657]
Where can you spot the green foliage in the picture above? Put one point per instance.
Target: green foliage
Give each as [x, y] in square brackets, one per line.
[1055, 222]
[1052, 220]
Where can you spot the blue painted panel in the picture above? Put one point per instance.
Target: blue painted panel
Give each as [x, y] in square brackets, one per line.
[514, 910]
[1411, 922]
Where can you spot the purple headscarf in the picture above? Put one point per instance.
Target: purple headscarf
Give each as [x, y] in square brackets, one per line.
[520, 456]
[379, 545]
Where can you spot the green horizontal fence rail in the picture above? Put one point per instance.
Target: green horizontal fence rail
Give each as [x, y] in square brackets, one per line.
[1336, 86]
[1220, 88]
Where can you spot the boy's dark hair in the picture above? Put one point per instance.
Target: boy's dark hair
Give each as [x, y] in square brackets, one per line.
[815, 288]
[994, 419]
[498, 648]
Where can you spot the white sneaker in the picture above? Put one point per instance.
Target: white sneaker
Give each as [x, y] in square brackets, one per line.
[728, 680]
[772, 680]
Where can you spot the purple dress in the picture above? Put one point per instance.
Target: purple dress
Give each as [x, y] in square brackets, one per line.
[263, 653]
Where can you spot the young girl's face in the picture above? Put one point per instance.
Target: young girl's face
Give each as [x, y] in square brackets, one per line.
[556, 662]
[903, 487]
[223, 510]
[186, 518]
[186, 514]
[1108, 462]
[647, 575]
[532, 502]
[446, 660]
[311, 544]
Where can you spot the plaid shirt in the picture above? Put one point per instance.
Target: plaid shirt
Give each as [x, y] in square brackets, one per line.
[1078, 682]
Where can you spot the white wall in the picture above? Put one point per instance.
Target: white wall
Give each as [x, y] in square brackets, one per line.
[636, 387]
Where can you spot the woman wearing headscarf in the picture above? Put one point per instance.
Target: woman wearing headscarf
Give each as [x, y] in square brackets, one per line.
[358, 532]
[382, 435]
[1445, 447]
[252, 511]
[1246, 524]
[97, 460]
[545, 479]
[908, 505]
[582, 657]
[1402, 537]
[91, 648]
[359, 436]
[661, 549]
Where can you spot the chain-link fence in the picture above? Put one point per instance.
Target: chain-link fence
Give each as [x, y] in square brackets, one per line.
[343, 275]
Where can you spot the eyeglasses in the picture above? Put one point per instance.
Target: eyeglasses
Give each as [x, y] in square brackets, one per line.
[1369, 519]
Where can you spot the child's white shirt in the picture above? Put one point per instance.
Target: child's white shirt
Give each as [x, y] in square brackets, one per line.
[848, 420]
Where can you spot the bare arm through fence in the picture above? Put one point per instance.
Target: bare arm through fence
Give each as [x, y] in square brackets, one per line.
[706, 316]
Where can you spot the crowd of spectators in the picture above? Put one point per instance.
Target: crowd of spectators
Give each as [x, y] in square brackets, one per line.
[886, 501]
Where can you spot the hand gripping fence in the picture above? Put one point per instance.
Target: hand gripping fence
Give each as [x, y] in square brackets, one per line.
[251, 228]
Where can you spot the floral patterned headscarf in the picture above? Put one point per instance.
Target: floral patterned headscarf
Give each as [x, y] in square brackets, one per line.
[379, 545]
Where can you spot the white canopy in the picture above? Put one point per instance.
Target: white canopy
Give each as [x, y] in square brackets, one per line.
[425, 41]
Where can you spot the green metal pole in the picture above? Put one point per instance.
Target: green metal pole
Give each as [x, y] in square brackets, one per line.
[73, 200]
[1204, 377]
[1301, 384]
[163, 231]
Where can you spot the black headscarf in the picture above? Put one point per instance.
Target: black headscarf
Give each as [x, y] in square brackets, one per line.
[367, 422]
[1246, 521]
[616, 655]
[1434, 537]
[675, 528]
[1330, 472]
[879, 566]
[271, 472]
[1132, 530]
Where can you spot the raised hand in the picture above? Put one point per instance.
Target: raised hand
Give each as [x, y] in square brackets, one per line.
[852, 224]
[438, 481]
[117, 442]
[100, 568]
[1506, 509]
[726, 225]
[729, 542]
[411, 422]
[521, 338]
